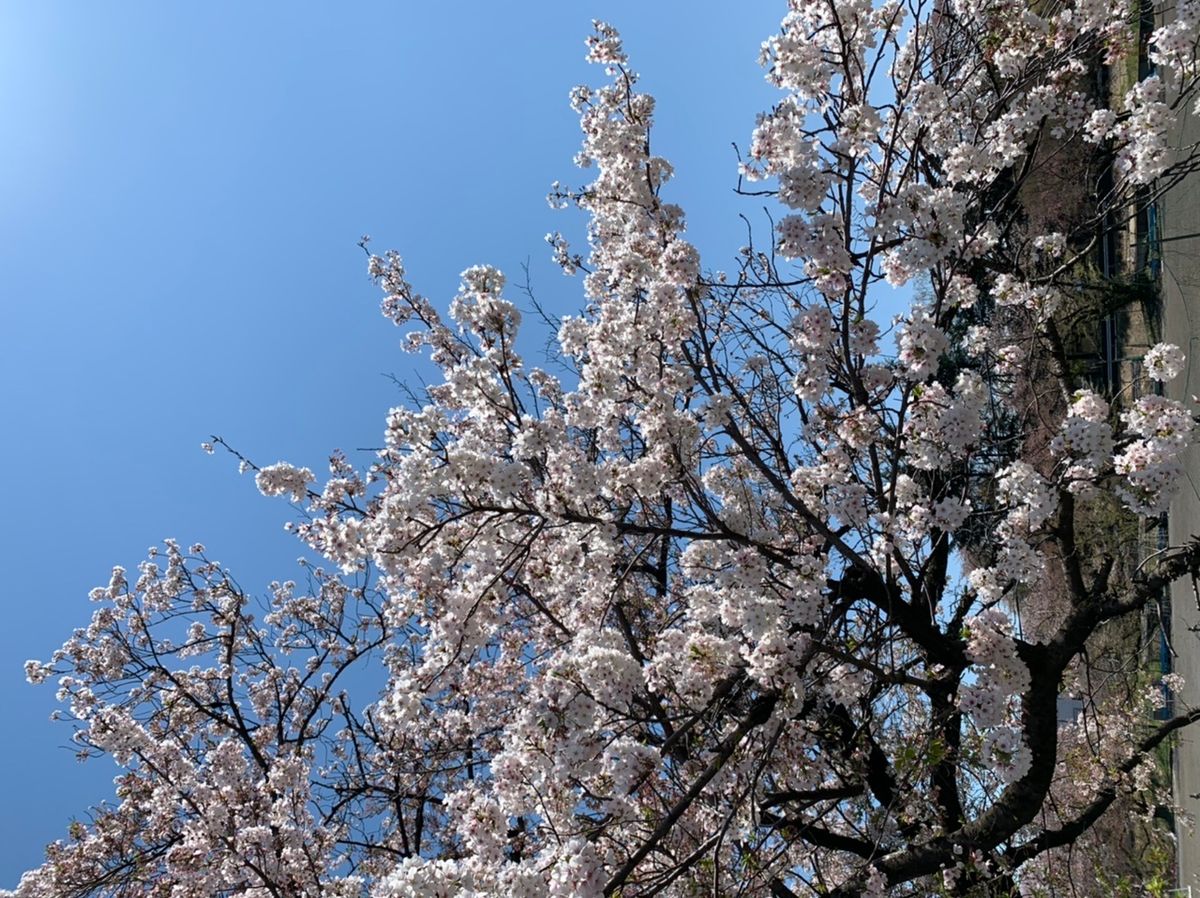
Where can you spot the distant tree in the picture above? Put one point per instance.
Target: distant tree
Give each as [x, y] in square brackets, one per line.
[730, 602]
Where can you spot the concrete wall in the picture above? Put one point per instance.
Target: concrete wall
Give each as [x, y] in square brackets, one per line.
[1179, 214]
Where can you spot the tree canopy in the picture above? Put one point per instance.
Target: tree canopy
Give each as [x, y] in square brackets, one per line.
[767, 582]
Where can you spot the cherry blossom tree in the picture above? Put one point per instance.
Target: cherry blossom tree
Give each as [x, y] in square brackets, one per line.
[737, 596]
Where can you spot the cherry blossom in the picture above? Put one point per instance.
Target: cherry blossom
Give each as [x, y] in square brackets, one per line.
[771, 587]
[1163, 361]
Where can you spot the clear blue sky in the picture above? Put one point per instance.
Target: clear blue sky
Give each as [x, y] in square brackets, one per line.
[183, 186]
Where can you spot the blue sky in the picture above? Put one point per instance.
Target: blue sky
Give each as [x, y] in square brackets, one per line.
[183, 186]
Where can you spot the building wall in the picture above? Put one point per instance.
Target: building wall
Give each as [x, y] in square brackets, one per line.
[1178, 248]
[1179, 214]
